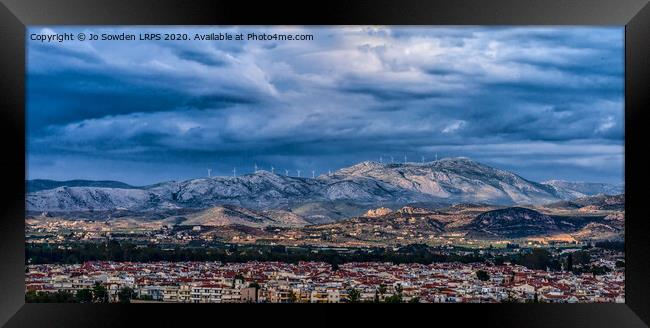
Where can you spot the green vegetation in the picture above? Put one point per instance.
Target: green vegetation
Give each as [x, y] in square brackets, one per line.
[535, 258]
[482, 275]
[396, 298]
[382, 289]
[238, 276]
[44, 297]
[84, 295]
[598, 270]
[98, 294]
[612, 245]
[125, 295]
[510, 298]
[115, 251]
[292, 297]
[538, 259]
[354, 295]
[581, 258]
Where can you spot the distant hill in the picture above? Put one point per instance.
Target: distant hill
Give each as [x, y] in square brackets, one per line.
[598, 202]
[513, 222]
[320, 212]
[599, 231]
[233, 215]
[43, 184]
[570, 190]
[407, 221]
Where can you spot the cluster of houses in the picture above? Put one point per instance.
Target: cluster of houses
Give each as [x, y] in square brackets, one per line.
[317, 282]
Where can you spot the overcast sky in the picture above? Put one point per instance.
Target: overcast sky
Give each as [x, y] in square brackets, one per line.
[545, 103]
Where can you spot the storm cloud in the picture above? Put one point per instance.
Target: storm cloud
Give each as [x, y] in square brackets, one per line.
[544, 102]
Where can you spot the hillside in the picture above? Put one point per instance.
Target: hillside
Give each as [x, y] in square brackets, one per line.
[512, 222]
[570, 190]
[598, 202]
[43, 184]
[233, 215]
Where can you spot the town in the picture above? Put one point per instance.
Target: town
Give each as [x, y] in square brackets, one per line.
[318, 282]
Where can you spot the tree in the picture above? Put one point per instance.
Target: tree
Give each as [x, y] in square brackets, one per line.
[382, 289]
[63, 296]
[60, 296]
[599, 270]
[414, 300]
[538, 259]
[84, 295]
[395, 298]
[125, 295]
[569, 263]
[509, 299]
[482, 275]
[292, 297]
[498, 260]
[100, 294]
[354, 295]
[37, 297]
[30, 297]
[145, 297]
[581, 257]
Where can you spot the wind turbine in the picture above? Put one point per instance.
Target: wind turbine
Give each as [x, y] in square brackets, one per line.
[422, 159]
[381, 160]
[272, 169]
[209, 173]
[234, 172]
[329, 172]
[286, 172]
[298, 173]
[313, 174]
[255, 167]
[436, 157]
[392, 160]
[404, 158]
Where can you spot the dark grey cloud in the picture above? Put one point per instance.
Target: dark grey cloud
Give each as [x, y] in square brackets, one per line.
[545, 102]
[200, 57]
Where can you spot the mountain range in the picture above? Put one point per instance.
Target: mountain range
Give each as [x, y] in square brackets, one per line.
[361, 186]
[44, 184]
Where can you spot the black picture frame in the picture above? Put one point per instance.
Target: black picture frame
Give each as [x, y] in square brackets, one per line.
[15, 15]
